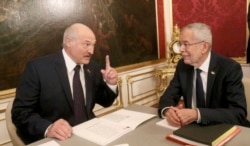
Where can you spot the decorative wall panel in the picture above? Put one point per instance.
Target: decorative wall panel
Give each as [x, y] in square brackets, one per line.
[141, 88]
[227, 19]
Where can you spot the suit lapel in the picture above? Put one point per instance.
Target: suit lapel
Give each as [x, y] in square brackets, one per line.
[211, 77]
[190, 73]
[62, 74]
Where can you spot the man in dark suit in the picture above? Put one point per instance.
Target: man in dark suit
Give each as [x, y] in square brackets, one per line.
[222, 100]
[44, 103]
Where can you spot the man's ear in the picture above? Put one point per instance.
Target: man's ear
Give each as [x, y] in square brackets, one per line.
[205, 47]
[68, 42]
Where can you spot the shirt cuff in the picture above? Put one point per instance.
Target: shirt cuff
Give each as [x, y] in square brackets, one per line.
[46, 131]
[199, 115]
[112, 87]
[163, 112]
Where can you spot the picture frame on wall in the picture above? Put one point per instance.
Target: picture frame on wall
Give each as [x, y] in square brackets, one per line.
[125, 29]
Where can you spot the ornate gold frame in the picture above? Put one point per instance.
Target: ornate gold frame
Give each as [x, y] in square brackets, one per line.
[164, 74]
[174, 52]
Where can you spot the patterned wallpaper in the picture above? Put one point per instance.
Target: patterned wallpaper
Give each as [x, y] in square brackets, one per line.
[227, 19]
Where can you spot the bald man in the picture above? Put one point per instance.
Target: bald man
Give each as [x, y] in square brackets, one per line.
[44, 103]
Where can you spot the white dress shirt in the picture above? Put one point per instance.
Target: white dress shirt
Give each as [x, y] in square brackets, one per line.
[70, 65]
[204, 73]
[204, 68]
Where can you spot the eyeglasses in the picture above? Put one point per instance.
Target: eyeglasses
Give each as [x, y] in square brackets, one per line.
[186, 44]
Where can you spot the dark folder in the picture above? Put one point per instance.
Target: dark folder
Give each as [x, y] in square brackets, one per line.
[210, 135]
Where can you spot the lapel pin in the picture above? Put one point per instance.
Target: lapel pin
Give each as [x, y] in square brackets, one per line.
[212, 72]
[88, 71]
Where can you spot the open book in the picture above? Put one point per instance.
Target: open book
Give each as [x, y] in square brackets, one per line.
[110, 127]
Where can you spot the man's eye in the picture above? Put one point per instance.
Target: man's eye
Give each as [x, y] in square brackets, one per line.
[185, 44]
[86, 44]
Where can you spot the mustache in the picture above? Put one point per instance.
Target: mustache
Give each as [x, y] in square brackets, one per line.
[88, 55]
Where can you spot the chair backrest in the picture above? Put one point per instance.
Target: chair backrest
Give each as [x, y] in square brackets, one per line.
[15, 139]
[246, 83]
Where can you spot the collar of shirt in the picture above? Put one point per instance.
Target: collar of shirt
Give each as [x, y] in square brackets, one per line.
[204, 67]
[70, 64]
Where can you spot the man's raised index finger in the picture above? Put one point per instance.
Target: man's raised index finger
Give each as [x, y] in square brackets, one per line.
[107, 62]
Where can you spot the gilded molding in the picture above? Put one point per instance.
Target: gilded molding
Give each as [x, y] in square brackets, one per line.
[137, 65]
[163, 76]
[120, 91]
[165, 73]
[241, 60]
[7, 93]
[118, 103]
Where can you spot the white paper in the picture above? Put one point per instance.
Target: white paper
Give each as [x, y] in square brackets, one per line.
[122, 145]
[164, 123]
[50, 143]
[127, 117]
[110, 127]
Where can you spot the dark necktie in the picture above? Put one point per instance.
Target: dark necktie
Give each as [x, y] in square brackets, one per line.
[200, 99]
[79, 103]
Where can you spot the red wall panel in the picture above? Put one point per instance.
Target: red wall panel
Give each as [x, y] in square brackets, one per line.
[161, 29]
[227, 19]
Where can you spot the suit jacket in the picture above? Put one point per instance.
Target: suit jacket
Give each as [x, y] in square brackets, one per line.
[225, 97]
[44, 95]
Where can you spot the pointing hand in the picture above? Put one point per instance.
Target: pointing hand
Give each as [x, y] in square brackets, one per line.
[109, 73]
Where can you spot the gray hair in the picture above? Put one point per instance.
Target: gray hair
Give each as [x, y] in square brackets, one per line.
[202, 32]
[70, 32]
